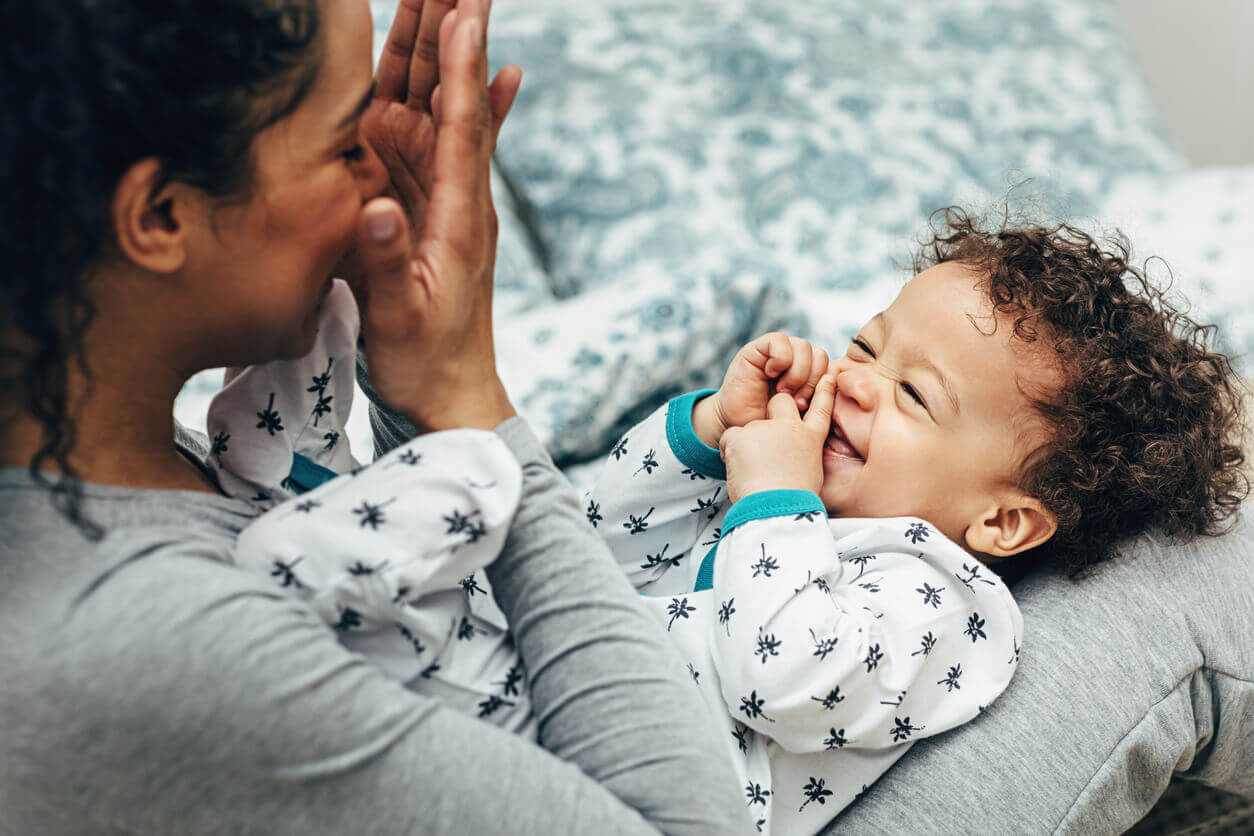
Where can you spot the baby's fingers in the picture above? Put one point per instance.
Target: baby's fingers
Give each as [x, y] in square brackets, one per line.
[794, 380]
[819, 416]
[772, 353]
[818, 367]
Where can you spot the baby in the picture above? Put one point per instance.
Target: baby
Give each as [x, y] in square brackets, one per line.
[829, 575]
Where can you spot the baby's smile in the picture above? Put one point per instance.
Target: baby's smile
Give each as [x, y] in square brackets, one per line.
[838, 446]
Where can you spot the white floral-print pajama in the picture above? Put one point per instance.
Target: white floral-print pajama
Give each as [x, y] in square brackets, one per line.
[827, 645]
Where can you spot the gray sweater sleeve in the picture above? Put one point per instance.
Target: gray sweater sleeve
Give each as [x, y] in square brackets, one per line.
[608, 690]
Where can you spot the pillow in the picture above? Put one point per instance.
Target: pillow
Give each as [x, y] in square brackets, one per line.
[1201, 224]
[815, 138]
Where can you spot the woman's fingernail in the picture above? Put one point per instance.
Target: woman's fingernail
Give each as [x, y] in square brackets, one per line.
[381, 226]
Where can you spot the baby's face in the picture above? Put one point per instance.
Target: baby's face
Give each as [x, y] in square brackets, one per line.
[929, 418]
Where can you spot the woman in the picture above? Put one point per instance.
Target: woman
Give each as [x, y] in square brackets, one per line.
[183, 184]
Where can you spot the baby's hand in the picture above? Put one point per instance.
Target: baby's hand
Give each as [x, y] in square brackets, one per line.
[783, 452]
[774, 363]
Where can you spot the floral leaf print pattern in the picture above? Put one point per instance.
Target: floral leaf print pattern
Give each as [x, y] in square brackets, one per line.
[709, 505]
[332, 438]
[902, 729]
[218, 447]
[975, 628]
[739, 732]
[836, 739]
[372, 515]
[694, 673]
[470, 585]
[928, 642]
[594, 513]
[862, 561]
[822, 647]
[322, 381]
[649, 463]
[660, 559]
[692, 475]
[814, 791]
[358, 569]
[409, 457]
[714, 538]
[752, 707]
[492, 704]
[459, 523]
[636, 525]
[513, 678]
[349, 619]
[269, 419]
[951, 679]
[765, 565]
[829, 702]
[620, 449]
[412, 639]
[768, 645]
[917, 533]
[973, 574]
[897, 700]
[931, 594]
[322, 407]
[725, 612]
[307, 506]
[756, 794]
[808, 516]
[287, 577]
[873, 656]
[465, 630]
[678, 608]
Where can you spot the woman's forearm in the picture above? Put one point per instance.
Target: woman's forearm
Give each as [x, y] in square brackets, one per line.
[609, 692]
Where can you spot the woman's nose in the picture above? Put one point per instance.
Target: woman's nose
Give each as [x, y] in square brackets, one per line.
[372, 176]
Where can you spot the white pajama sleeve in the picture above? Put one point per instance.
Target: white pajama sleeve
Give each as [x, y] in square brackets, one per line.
[381, 553]
[657, 508]
[265, 414]
[864, 633]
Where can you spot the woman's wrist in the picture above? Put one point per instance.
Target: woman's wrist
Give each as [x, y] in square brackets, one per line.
[483, 408]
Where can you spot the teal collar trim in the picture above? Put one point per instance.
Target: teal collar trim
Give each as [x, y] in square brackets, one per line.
[690, 450]
[307, 474]
[757, 506]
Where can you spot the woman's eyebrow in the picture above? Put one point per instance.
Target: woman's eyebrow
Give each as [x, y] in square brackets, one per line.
[358, 110]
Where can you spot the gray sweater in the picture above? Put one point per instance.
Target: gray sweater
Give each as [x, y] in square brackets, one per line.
[149, 686]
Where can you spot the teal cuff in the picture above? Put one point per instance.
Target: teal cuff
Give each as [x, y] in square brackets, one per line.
[757, 506]
[694, 453]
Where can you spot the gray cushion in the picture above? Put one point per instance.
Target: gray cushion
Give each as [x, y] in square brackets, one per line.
[1141, 670]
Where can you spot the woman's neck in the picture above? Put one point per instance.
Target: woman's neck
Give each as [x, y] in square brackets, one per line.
[123, 433]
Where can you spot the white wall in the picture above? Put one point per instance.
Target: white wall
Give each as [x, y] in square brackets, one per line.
[1198, 57]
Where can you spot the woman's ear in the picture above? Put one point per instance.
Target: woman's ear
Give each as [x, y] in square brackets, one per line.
[1011, 528]
[150, 218]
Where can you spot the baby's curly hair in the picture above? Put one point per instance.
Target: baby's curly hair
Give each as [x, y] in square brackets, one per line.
[1148, 427]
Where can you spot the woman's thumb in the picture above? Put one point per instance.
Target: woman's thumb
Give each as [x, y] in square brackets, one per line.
[384, 251]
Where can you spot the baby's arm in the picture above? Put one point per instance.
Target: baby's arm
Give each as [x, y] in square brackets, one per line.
[662, 492]
[380, 553]
[659, 498]
[871, 635]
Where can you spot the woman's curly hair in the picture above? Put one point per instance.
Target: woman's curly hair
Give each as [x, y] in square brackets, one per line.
[89, 87]
[1148, 426]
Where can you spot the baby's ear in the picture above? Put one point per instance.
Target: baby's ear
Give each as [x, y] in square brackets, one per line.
[1011, 527]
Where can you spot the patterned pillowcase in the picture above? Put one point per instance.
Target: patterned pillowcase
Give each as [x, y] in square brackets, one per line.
[815, 138]
[1201, 225]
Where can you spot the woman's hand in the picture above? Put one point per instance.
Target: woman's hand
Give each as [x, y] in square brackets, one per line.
[427, 306]
[400, 125]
